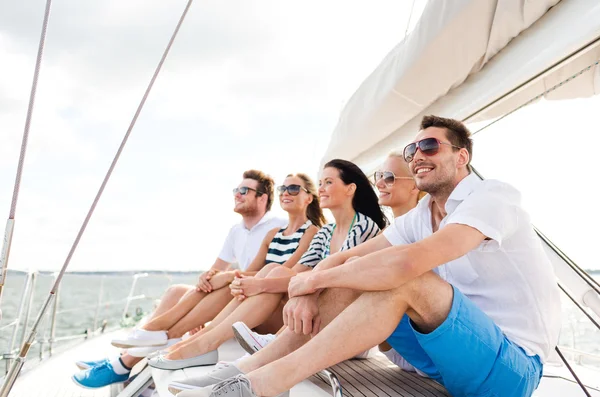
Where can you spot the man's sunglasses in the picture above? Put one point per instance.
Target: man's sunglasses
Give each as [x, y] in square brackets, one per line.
[293, 190]
[388, 177]
[428, 146]
[243, 190]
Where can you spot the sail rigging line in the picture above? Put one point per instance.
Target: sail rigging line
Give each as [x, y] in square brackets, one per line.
[16, 366]
[572, 371]
[589, 280]
[10, 223]
[588, 315]
[565, 258]
[412, 8]
[541, 95]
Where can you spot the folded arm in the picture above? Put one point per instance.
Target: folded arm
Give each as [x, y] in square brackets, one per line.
[394, 266]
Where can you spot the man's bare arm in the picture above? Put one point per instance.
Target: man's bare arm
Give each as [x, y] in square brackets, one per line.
[394, 266]
[373, 245]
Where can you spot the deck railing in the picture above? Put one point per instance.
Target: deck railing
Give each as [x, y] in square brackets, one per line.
[47, 342]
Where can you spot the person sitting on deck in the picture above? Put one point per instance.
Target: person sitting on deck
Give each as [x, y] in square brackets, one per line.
[460, 286]
[347, 193]
[397, 190]
[184, 307]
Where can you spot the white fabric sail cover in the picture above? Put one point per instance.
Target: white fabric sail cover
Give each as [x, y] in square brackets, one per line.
[453, 42]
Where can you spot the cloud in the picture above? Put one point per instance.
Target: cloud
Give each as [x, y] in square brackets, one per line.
[247, 85]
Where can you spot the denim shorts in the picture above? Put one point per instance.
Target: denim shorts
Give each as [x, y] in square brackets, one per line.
[468, 354]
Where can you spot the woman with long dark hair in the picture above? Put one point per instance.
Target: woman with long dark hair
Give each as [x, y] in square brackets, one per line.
[347, 192]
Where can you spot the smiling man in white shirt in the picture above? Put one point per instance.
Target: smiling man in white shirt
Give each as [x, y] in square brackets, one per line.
[460, 287]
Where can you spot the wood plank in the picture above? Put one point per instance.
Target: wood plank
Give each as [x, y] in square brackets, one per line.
[377, 377]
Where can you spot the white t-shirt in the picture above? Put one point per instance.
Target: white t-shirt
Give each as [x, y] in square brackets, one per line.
[242, 245]
[509, 277]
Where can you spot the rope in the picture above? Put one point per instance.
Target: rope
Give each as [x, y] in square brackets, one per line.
[121, 147]
[588, 315]
[585, 390]
[412, 7]
[544, 93]
[13, 206]
[36, 74]
[17, 364]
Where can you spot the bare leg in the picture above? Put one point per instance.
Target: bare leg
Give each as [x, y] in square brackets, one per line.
[370, 319]
[274, 323]
[253, 311]
[170, 317]
[170, 298]
[331, 303]
[130, 361]
[234, 303]
[204, 311]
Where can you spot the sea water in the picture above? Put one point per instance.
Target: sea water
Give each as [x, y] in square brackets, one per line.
[85, 298]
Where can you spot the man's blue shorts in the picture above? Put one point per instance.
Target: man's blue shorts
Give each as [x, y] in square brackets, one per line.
[469, 354]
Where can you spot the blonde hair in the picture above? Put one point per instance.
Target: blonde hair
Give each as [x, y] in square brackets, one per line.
[400, 155]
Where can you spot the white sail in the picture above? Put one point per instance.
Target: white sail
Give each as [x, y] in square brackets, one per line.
[462, 57]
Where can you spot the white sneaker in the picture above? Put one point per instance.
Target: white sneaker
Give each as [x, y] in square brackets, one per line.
[141, 338]
[223, 364]
[249, 340]
[146, 351]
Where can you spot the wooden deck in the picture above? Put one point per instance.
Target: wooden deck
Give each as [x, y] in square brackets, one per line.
[359, 378]
[377, 376]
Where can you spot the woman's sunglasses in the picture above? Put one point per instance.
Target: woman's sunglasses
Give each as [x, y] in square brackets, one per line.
[293, 190]
[388, 177]
[243, 190]
[428, 146]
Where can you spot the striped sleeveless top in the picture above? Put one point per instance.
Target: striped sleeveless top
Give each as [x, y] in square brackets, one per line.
[283, 247]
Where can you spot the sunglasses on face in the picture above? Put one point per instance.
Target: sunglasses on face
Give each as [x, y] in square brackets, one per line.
[243, 190]
[293, 190]
[428, 146]
[388, 177]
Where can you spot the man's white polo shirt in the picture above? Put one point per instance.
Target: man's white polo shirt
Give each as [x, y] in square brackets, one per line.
[509, 277]
[242, 244]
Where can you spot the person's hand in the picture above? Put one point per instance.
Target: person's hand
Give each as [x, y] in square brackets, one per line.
[203, 281]
[220, 280]
[301, 284]
[245, 286]
[194, 331]
[301, 315]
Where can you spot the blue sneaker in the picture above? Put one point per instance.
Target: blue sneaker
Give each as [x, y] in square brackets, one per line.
[99, 376]
[83, 365]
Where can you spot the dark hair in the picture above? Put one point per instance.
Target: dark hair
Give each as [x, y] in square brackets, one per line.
[456, 132]
[265, 185]
[314, 212]
[365, 200]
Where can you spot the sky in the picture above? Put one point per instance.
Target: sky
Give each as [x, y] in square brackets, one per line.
[246, 85]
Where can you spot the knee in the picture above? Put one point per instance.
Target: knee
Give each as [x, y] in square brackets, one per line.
[176, 291]
[280, 271]
[267, 269]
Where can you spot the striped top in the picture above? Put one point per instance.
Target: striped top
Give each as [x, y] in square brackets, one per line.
[283, 247]
[364, 228]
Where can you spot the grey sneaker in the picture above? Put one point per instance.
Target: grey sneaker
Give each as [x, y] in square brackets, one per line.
[233, 387]
[161, 362]
[213, 377]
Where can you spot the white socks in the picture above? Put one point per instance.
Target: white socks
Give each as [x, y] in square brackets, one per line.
[119, 367]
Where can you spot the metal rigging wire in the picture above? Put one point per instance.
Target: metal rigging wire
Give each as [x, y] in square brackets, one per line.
[18, 363]
[10, 223]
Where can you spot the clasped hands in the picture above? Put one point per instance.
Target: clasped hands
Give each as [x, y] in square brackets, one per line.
[301, 312]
